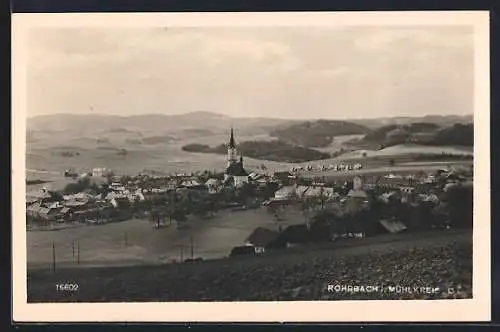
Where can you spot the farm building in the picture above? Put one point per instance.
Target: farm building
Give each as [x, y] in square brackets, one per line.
[261, 238]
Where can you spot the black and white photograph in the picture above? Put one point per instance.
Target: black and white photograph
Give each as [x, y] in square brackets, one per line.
[337, 160]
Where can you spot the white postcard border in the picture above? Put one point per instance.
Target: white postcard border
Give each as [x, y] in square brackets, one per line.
[476, 309]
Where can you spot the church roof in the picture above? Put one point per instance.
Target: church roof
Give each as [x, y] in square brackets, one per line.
[231, 140]
[236, 169]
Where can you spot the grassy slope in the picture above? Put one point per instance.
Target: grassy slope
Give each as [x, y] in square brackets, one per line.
[438, 259]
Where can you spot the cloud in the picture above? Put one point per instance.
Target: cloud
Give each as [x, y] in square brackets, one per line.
[288, 72]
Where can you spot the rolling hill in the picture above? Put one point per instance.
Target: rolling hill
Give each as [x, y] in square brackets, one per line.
[274, 150]
[440, 120]
[147, 122]
[424, 133]
[318, 133]
[155, 141]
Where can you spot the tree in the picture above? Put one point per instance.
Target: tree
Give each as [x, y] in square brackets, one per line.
[322, 198]
[125, 179]
[76, 187]
[459, 203]
[305, 207]
[246, 192]
[268, 190]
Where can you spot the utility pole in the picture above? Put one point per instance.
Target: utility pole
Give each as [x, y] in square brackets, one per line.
[192, 247]
[182, 254]
[78, 253]
[53, 257]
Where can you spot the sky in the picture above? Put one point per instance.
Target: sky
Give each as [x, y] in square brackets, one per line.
[281, 72]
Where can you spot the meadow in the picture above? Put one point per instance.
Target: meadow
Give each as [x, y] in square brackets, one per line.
[137, 242]
[163, 157]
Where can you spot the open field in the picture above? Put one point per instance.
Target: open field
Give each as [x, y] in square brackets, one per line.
[339, 142]
[48, 153]
[102, 244]
[396, 150]
[167, 158]
[442, 259]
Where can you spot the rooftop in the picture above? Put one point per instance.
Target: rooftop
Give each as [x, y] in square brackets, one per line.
[236, 169]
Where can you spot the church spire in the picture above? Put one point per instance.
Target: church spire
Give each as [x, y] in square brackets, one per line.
[231, 140]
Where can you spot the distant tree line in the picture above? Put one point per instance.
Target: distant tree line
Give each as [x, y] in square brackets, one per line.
[422, 133]
[319, 133]
[275, 150]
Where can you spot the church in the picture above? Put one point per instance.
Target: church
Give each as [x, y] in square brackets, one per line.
[235, 169]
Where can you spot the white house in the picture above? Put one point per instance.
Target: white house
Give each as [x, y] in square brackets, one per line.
[100, 172]
[284, 193]
[213, 185]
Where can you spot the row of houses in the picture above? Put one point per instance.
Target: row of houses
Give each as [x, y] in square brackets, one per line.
[262, 239]
[331, 167]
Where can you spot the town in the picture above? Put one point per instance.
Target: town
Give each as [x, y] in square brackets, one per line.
[333, 207]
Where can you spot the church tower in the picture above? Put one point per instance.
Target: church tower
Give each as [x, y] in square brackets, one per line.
[231, 150]
[235, 169]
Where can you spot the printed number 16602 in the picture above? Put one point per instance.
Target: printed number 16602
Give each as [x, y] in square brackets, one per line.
[67, 287]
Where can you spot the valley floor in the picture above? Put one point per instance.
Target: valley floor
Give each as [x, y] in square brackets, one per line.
[440, 260]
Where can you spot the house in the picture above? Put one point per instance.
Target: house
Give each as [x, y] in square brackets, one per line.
[189, 183]
[357, 199]
[256, 176]
[283, 176]
[34, 209]
[390, 196]
[357, 194]
[393, 226]
[292, 236]
[51, 196]
[285, 193]
[453, 177]
[357, 183]
[100, 172]
[407, 194]
[432, 198]
[393, 182]
[301, 191]
[213, 185]
[330, 193]
[243, 251]
[135, 197]
[49, 213]
[83, 197]
[116, 186]
[75, 205]
[120, 202]
[313, 191]
[66, 213]
[261, 238]
[37, 195]
[407, 190]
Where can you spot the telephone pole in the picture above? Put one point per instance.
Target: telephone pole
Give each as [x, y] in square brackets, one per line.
[192, 247]
[53, 257]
